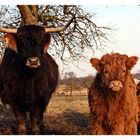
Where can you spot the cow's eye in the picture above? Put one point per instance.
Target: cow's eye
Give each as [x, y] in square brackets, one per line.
[105, 72]
[124, 70]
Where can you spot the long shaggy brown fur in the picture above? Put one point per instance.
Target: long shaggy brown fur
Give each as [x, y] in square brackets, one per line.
[113, 110]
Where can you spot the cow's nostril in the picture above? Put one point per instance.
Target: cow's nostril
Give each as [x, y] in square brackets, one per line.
[113, 83]
[34, 59]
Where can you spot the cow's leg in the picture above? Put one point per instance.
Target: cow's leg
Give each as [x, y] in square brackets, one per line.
[118, 126]
[21, 119]
[96, 125]
[36, 120]
[97, 129]
[132, 127]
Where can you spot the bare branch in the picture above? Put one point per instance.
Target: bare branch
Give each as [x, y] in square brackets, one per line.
[81, 39]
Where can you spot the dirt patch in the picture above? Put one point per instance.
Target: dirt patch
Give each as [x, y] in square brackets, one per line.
[8, 123]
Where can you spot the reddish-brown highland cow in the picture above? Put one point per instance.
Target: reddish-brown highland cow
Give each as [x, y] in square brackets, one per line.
[112, 96]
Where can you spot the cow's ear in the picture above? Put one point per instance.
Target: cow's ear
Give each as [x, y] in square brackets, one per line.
[46, 41]
[10, 41]
[132, 61]
[95, 63]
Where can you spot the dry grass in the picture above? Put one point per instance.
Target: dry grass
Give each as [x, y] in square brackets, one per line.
[68, 115]
[65, 115]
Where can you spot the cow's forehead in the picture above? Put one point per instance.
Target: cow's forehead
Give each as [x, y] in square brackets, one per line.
[31, 29]
[114, 66]
[114, 59]
[114, 62]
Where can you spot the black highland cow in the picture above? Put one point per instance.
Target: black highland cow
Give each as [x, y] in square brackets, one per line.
[28, 75]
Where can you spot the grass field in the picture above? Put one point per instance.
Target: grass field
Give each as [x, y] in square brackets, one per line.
[65, 115]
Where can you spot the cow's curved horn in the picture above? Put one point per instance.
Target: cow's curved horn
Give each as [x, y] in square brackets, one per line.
[8, 30]
[59, 29]
[48, 30]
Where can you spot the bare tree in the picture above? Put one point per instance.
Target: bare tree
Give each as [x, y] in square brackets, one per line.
[74, 84]
[70, 82]
[82, 35]
[86, 81]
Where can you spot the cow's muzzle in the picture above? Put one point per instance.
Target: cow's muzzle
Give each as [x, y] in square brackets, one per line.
[115, 85]
[33, 62]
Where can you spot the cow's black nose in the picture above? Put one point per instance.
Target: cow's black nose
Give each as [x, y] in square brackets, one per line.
[33, 62]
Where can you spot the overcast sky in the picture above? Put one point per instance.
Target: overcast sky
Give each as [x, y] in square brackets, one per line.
[126, 38]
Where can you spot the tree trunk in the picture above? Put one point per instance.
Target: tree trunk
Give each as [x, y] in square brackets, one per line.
[29, 14]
